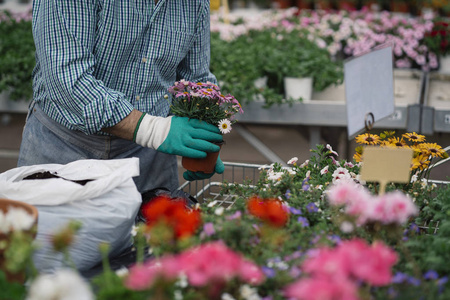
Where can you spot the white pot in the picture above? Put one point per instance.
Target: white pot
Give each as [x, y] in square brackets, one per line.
[444, 63]
[297, 88]
[260, 83]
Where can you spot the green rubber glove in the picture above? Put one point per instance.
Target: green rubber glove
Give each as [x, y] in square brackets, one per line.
[178, 135]
[191, 176]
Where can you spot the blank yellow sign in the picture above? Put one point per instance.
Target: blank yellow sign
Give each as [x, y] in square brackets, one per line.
[386, 165]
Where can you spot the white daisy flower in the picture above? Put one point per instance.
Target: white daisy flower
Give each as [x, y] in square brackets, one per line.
[292, 161]
[225, 126]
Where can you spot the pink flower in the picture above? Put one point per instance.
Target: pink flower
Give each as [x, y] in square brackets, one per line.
[208, 264]
[345, 192]
[327, 263]
[319, 288]
[208, 229]
[142, 277]
[394, 207]
[377, 269]
[214, 262]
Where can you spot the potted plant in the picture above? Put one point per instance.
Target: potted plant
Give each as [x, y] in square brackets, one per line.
[438, 41]
[296, 57]
[205, 102]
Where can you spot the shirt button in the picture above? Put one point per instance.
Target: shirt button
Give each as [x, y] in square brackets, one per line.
[138, 98]
[144, 59]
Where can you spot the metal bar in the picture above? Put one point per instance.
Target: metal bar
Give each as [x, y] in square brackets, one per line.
[260, 146]
[4, 153]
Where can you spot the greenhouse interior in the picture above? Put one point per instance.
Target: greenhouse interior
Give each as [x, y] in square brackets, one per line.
[225, 149]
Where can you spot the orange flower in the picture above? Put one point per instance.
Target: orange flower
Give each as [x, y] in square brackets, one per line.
[174, 213]
[268, 210]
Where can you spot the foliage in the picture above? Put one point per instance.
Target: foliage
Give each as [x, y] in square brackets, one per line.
[16, 56]
[438, 40]
[273, 54]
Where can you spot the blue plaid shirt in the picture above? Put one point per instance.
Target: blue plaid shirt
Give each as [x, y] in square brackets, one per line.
[97, 60]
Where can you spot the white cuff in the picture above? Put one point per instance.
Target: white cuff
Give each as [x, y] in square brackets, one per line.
[153, 131]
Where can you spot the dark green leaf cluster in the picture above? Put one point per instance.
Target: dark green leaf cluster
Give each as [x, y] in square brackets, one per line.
[16, 57]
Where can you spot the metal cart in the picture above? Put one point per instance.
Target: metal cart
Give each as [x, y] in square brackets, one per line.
[242, 173]
[235, 173]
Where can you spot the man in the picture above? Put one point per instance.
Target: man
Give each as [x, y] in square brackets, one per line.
[102, 71]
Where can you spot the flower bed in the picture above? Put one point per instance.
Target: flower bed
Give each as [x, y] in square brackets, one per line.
[303, 232]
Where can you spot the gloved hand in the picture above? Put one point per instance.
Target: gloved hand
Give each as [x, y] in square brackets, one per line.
[178, 135]
[191, 176]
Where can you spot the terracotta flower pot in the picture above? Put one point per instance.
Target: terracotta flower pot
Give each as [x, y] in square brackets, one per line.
[205, 165]
[5, 205]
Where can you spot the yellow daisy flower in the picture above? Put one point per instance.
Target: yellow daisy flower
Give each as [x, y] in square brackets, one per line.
[420, 162]
[368, 139]
[357, 157]
[397, 142]
[434, 149]
[414, 137]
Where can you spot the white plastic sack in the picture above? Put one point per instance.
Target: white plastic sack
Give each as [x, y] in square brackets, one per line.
[106, 206]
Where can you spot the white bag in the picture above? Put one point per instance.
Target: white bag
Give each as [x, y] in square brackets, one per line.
[106, 207]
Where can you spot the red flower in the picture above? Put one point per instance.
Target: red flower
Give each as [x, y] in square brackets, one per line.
[174, 213]
[268, 210]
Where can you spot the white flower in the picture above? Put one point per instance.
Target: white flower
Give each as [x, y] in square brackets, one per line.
[346, 227]
[122, 272]
[304, 164]
[308, 174]
[292, 161]
[341, 174]
[226, 296]
[177, 295]
[134, 230]
[65, 284]
[219, 210]
[19, 219]
[414, 178]
[331, 150]
[424, 182]
[182, 281]
[225, 126]
[324, 170]
[249, 293]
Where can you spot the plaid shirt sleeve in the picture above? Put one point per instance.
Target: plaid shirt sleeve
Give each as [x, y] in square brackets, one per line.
[63, 32]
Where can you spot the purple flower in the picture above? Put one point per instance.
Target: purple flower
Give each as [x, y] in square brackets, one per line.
[269, 272]
[335, 238]
[288, 194]
[295, 211]
[442, 281]
[295, 272]
[304, 221]
[305, 185]
[399, 277]
[414, 228]
[431, 275]
[414, 281]
[236, 215]
[311, 207]
[208, 229]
